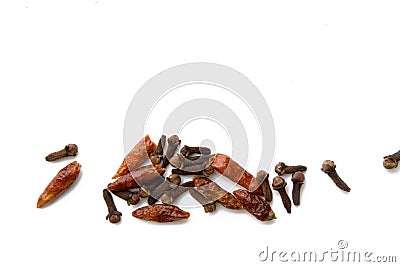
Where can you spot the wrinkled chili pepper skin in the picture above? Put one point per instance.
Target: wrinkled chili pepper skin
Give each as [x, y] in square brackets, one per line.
[137, 156]
[213, 191]
[136, 178]
[160, 213]
[232, 170]
[255, 205]
[61, 182]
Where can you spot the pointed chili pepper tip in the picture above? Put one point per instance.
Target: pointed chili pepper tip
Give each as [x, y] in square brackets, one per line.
[41, 203]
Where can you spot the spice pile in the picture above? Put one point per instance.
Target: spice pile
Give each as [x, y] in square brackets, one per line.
[135, 181]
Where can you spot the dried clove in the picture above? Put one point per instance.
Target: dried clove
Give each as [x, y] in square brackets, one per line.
[114, 216]
[183, 172]
[279, 184]
[208, 171]
[155, 159]
[150, 186]
[151, 200]
[67, 151]
[173, 143]
[266, 188]
[157, 155]
[160, 146]
[170, 196]
[156, 194]
[208, 205]
[298, 180]
[132, 198]
[329, 167]
[174, 179]
[193, 157]
[188, 150]
[199, 164]
[213, 191]
[282, 169]
[391, 161]
[143, 193]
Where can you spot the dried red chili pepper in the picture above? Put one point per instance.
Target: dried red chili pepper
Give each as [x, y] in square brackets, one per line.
[136, 178]
[160, 213]
[137, 156]
[255, 205]
[61, 182]
[232, 170]
[213, 191]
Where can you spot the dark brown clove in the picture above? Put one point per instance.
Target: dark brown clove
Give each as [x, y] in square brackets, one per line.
[183, 172]
[114, 216]
[157, 155]
[155, 195]
[208, 205]
[173, 143]
[160, 146]
[263, 176]
[132, 198]
[150, 185]
[208, 171]
[68, 150]
[391, 161]
[329, 167]
[180, 162]
[298, 180]
[170, 196]
[151, 200]
[174, 179]
[193, 157]
[279, 184]
[155, 159]
[143, 193]
[188, 150]
[282, 169]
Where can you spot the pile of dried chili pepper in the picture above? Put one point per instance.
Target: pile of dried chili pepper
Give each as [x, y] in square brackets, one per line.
[135, 181]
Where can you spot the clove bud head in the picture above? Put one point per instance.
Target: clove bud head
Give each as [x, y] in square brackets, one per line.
[278, 183]
[298, 177]
[114, 217]
[174, 139]
[328, 166]
[280, 168]
[389, 163]
[174, 179]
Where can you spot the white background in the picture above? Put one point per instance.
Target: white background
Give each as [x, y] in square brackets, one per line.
[68, 71]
